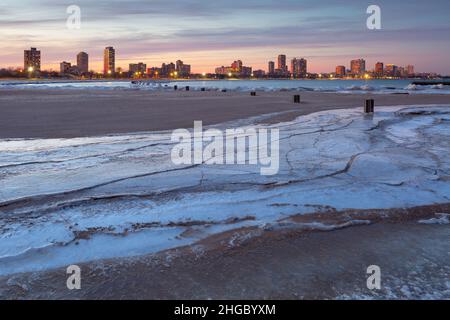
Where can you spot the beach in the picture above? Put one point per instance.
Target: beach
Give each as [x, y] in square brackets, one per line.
[53, 113]
[86, 178]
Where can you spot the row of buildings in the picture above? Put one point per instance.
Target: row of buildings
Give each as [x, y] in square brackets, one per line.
[298, 68]
[32, 65]
[358, 70]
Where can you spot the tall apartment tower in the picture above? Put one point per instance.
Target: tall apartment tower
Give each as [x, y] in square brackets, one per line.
[271, 69]
[83, 62]
[299, 68]
[358, 67]
[109, 60]
[32, 60]
[282, 63]
[379, 69]
[340, 71]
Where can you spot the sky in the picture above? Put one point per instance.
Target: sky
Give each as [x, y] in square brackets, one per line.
[211, 33]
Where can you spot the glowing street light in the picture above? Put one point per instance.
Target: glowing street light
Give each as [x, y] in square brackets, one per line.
[30, 69]
[230, 74]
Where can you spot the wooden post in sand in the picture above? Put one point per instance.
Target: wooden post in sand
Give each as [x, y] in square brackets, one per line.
[369, 106]
[297, 98]
[187, 88]
[253, 94]
[224, 90]
[203, 89]
[175, 87]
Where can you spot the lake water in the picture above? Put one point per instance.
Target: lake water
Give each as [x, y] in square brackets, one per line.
[343, 86]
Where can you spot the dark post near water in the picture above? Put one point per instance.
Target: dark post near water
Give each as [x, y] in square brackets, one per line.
[203, 89]
[187, 88]
[369, 106]
[175, 87]
[253, 93]
[297, 98]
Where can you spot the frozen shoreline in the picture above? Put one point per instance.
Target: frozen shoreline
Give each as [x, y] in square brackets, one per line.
[332, 86]
[120, 196]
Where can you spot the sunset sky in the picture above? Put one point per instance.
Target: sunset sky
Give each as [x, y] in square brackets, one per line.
[213, 33]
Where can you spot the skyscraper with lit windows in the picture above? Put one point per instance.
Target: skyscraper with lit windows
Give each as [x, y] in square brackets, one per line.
[282, 66]
[358, 67]
[83, 62]
[32, 60]
[109, 60]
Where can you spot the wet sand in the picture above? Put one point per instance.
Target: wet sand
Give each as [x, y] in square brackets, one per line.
[76, 113]
[287, 262]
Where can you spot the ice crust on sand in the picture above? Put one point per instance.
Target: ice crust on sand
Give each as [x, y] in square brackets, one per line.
[65, 201]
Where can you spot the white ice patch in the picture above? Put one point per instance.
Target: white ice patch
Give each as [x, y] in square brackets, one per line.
[65, 201]
[442, 218]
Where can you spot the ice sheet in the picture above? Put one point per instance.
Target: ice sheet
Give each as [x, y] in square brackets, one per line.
[65, 201]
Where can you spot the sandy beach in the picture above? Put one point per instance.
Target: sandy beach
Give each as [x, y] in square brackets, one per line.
[80, 113]
[141, 228]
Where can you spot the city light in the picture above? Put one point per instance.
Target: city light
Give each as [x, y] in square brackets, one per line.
[297, 70]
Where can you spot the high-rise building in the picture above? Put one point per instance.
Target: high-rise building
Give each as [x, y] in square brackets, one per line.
[83, 62]
[109, 60]
[259, 73]
[237, 66]
[379, 69]
[137, 68]
[410, 69]
[282, 63]
[340, 71]
[32, 60]
[271, 68]
[294, 66]
[65, 67]
[168, 69]
[299, 68]
[236, 69]
[391, 70]
[358, 67]
[403, 72]
[184, 70]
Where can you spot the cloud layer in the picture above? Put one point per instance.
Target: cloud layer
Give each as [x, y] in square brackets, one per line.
[210, 33]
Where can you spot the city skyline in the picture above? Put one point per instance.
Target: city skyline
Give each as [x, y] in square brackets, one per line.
[298, 67]
[208, 35]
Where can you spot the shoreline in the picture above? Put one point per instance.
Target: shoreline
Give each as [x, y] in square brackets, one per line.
[76, 113]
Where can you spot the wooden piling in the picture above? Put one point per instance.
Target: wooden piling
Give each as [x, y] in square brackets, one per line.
[369, 106]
